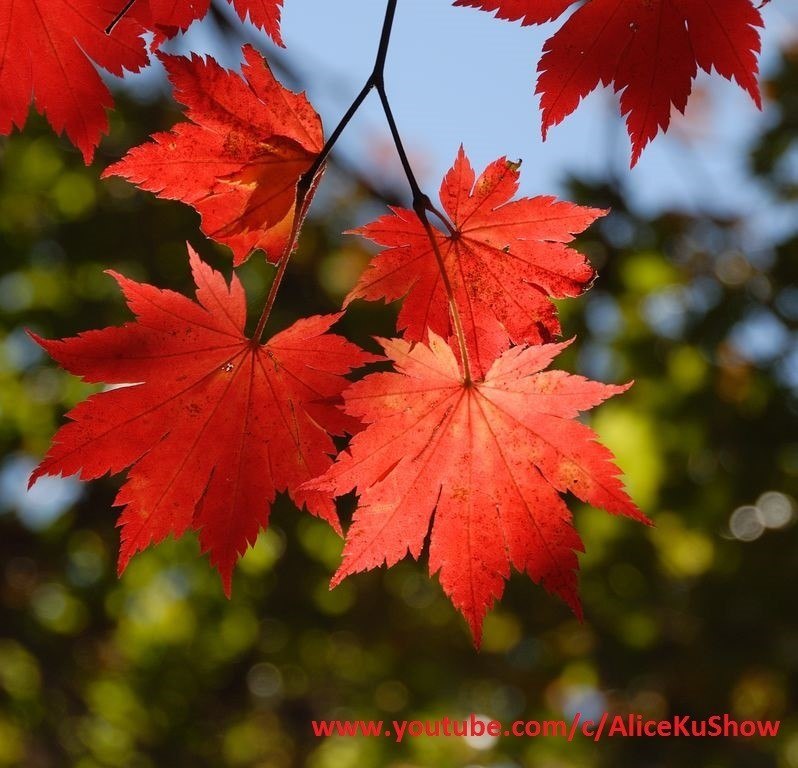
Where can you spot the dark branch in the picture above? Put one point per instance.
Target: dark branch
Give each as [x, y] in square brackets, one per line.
[119, 16]
[307, 180]
[421, 202]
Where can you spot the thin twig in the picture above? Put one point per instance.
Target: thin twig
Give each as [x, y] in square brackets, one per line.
[421, 205]
[300, 211]
[306, 181]
[418, 195]
[119, 16]
[421, 202]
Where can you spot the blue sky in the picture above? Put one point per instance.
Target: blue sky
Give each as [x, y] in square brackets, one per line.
[458, 75]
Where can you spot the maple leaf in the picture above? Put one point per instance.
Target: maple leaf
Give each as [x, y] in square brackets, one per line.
[171, 16]
[214, 425]
[649, 50]
[48, 52]
[506, 260]
[489, 461]
[239, 158]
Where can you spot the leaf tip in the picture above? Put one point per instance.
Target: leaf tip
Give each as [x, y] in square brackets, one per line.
[475, 625]
[122, 562]
[40, 340]
[338, 576]
[227, 582]
[638, 145]
[35, 475]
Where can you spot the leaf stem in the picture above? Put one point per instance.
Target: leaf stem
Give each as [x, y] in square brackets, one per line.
[304, 199]
[119, 16]
[421, 205]
[421, 202]
[306, 182]
[270, 299]
[418, 195]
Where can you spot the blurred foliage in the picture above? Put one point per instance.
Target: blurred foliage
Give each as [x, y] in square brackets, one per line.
[694, 616]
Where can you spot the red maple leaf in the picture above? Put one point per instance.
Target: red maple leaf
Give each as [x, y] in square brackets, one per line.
[239, 158]
[48, 52]
[214, 424]
[170, 16]
[649, 50]
[506, 260]
[488, 460]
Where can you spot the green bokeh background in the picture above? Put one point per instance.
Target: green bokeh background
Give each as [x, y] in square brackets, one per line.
[158, 669]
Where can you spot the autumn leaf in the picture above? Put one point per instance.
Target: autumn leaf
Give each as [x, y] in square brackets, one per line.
[506, 260]
[48, 53]
[212, 424]
[649, 50]
[482, 465]
[239, 157]
[170, 16]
